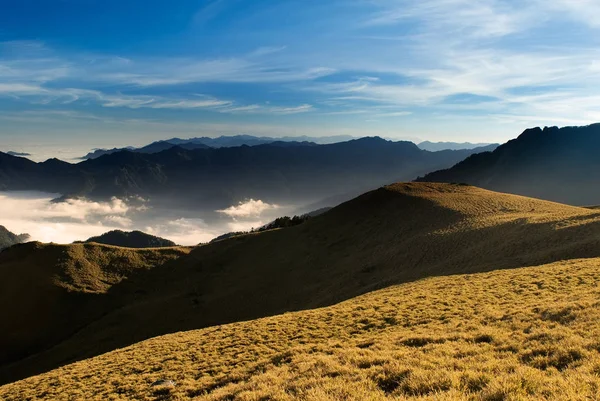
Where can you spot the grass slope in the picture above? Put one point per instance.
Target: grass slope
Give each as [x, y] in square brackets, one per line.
[48, 292]
[523, 334]
[393, 235]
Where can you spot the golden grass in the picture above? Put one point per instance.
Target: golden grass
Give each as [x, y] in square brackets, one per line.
[393, 235]
[523, 334]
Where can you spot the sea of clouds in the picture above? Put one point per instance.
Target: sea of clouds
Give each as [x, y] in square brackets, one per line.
[47, 220]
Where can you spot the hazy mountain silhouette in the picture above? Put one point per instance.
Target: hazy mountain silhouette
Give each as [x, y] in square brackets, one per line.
[437, 146]
[221, 142]
[211, 178]
[8, 239]
[559, 164]
[133, 239]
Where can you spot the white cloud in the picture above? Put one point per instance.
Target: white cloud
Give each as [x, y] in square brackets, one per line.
[121, 221]
[478, 18]
[586, 11]
[79, 219]
[419, 57]
[250, 208]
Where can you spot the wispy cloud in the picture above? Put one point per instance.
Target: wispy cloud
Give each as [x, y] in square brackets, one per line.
[412, 61]
[478, 18]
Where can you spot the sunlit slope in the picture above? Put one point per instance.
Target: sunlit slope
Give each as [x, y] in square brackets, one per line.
[521, 334]
[392, 235]
[47, 292]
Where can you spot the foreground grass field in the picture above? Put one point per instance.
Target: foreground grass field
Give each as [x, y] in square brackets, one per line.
[530, 333]
[393, 235]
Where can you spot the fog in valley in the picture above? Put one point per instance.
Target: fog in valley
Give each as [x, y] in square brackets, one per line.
[48, 218]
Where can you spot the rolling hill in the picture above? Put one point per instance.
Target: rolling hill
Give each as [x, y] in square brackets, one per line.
[47, 287]
[133, 239]
[396, 234]
[559, 164]
[217, 178]
[523, 334]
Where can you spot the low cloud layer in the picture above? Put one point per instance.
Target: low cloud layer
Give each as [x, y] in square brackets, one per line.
[38, 215]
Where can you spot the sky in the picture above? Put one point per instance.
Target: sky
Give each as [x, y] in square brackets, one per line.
[82, 74]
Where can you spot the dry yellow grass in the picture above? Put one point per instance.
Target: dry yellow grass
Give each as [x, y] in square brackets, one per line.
[523, 334]
[393, 235]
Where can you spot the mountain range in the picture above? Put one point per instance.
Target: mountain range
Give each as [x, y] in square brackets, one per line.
[218, 177]
[559, 164]
[249, 140]
[222, 142]
[437, 146]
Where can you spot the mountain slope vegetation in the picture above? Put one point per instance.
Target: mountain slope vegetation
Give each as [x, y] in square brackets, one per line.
[48, 292]
[522, 334]
[396, 234]
[559, 164]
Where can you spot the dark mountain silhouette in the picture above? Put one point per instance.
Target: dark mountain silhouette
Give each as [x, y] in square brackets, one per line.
[154, 147]
[250, 140]
[220, 142]
[437, 146]
[559, 164]
[8, 239]
[133, 239]
[212, 178]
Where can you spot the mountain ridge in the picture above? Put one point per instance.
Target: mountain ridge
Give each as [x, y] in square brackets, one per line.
[225, 176]
[558, 164]
[437, 146]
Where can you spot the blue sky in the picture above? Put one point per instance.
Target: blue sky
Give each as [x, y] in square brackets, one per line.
[93, 73]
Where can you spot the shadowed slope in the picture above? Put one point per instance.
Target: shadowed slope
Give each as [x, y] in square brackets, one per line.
[388, 236]
[523, 334]
[50, 291]
[132, 239]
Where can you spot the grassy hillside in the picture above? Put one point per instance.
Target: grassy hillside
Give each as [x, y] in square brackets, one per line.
[48, 292]
[523, 334]
[393, 235]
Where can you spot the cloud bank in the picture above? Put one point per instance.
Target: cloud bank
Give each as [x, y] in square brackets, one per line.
[38, 215]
